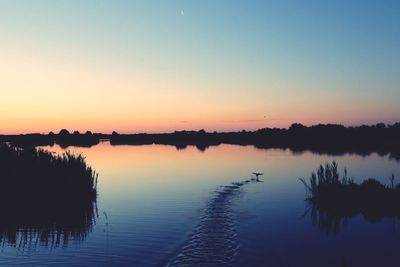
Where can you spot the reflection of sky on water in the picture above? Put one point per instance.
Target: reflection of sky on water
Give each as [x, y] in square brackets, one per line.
[153, 195]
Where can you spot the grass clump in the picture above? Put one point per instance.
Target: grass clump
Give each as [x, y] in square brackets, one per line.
[327, 179]
[45, 198]
[334, 197]
[38, 169]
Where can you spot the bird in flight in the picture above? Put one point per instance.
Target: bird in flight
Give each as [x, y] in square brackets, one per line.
[257, 174]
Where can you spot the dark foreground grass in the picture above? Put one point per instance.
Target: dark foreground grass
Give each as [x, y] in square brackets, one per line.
[45, 198]
[334, 198]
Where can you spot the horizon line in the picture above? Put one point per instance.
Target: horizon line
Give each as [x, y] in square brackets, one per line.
[207, 131]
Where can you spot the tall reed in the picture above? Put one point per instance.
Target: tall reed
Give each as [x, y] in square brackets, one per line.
[44, 197]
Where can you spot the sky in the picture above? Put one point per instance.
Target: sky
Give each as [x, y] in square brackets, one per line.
[159, 66]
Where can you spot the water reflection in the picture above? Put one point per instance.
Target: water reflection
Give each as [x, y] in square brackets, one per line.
[29, 222]
[155, 198]
[332, 220]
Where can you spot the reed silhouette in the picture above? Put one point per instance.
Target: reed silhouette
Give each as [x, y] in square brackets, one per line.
[45, 198]
[335, 199]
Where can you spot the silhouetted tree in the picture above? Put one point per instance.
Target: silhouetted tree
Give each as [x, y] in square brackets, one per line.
[297, 126]
[63, 132]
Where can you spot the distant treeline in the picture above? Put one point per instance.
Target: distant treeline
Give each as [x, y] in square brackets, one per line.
[322, 138]
[64, 139]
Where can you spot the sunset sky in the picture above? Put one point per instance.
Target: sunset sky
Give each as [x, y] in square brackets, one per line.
[156, 66]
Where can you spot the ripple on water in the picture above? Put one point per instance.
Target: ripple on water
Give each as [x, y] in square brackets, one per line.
[213, 241]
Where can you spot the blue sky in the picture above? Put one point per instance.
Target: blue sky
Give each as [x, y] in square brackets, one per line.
[307, 61]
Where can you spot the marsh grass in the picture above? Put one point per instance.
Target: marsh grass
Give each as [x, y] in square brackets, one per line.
[335, 198]
[40, 169]
[327, 179]
[45, 198]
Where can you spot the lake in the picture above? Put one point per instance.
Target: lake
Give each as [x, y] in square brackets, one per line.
[160, 206]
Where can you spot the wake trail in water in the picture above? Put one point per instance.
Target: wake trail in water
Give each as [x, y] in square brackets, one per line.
[213, 241]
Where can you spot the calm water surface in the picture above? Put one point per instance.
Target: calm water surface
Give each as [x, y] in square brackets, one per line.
[158, 205]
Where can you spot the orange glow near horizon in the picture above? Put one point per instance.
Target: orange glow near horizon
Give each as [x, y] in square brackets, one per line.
[44, 93]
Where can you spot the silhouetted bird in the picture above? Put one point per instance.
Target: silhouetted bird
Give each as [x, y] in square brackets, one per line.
[257, 174]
